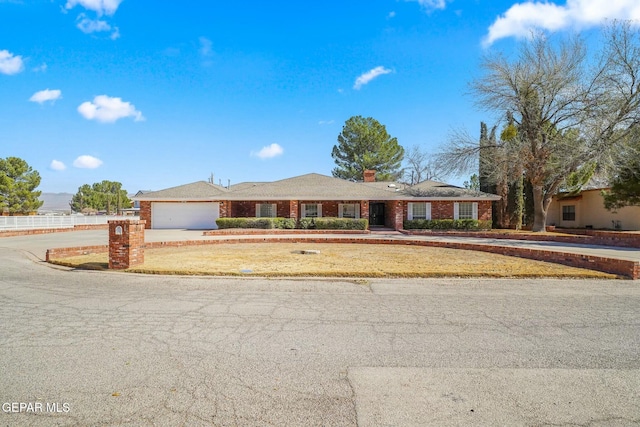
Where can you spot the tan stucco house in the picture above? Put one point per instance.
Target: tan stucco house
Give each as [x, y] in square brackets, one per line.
[586, 210]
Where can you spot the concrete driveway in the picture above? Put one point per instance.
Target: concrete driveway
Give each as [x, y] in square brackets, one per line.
[101, 348]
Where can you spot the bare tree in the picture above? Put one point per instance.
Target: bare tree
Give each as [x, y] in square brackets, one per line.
[568, 109]
[421, 166]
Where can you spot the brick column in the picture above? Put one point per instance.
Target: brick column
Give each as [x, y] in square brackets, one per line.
[396, 220]
[126, 243]
[145, 212]
[293, 209]
[225, 209]
[364, 209]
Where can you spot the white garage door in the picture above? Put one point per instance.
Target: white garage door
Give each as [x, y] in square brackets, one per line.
[194, 216]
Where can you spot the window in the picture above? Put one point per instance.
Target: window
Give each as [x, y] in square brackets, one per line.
[419, 211]
[266, 210]
[311, 210]
[569, 213]
[465, 210]
[348, 210]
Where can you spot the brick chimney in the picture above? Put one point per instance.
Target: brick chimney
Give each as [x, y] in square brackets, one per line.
[369, 175]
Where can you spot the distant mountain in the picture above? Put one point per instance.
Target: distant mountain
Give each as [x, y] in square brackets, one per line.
[55, 202]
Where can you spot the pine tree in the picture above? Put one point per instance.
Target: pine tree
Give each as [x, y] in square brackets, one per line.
[365, 144]
[18, 182]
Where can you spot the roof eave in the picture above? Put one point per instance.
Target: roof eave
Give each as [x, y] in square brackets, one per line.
[179, 199]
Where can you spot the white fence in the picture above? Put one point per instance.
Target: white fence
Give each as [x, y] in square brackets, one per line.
[53, 221]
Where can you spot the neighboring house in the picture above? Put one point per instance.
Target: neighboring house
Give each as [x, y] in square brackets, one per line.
[586, 210]
[384, 204]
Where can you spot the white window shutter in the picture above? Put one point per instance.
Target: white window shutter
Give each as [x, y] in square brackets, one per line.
[303, 213]
[274, 209]
[410, 211]
[428, 209]
[257, 210]
[475, 210]
[357, 207]
[319, 210]
[340, 210]
[456, 211]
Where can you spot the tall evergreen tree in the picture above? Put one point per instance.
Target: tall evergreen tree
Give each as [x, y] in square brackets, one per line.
[106, 196]
[18, 182]
[625, 179]
[365, 144]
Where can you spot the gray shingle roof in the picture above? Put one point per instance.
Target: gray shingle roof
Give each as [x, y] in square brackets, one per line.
[311, 186]
[243, 185]
[315, 186]
[200, 190]
[435, 189]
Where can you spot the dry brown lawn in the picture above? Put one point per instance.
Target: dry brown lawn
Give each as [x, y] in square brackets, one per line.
[335, 260]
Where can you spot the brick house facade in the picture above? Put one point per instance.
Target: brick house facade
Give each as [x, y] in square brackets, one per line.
[384, 204]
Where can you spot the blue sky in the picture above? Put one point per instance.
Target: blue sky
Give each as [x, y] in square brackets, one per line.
[158, 94]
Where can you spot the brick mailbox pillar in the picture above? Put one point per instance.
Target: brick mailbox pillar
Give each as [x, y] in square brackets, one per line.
[126, 243]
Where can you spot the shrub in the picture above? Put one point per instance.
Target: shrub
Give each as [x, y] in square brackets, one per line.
[291, 223]
[307, 223]
[446, 224]
[341, 223]
[284, 223]
[245, 223]
[231, 223]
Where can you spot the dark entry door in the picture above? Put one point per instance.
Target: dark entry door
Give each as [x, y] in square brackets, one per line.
[376, 214]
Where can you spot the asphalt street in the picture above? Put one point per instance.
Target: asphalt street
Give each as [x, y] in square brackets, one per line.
[104, 348]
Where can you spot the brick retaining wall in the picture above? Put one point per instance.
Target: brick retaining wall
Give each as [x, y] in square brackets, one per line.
[600, 238]
[75, 251]
[14, 233]
[630, 269]
[276, 231]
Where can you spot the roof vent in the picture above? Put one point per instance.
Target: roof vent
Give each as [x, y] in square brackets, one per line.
[391, 185]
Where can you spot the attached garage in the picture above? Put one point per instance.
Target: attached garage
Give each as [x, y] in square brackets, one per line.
[191, 215]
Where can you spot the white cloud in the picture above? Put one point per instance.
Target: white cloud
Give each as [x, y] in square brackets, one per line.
[101, 7]
[370, 75]
[46, 95]
[41, 68]
[10, 63]
[269, 151]
[430, 5]
[521, 18]
[106, 109]
[391, 14]
[87, 25]
[57, 165]
[87, 162]
[205, 46]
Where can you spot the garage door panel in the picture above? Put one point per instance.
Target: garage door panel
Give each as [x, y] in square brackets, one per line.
[194, 216]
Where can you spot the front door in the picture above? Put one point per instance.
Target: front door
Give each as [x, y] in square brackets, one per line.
[376, 214]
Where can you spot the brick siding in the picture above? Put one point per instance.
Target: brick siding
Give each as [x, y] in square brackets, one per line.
[145, 213]
[442, 209]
